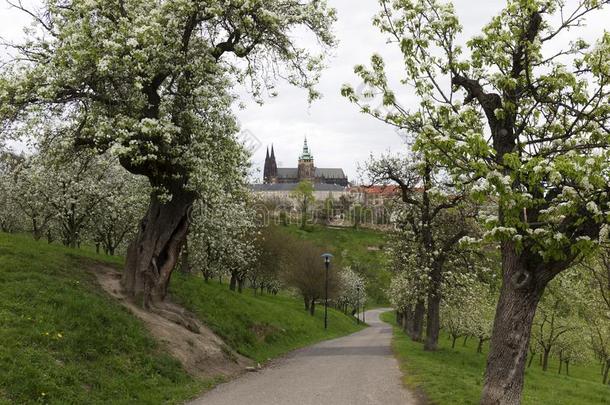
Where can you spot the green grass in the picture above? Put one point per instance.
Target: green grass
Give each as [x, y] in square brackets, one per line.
[455, 376]
[64, 341]
[259, 327]
[361, 248]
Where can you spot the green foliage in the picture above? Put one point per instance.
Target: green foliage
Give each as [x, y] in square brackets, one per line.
[304, 195]
[65, 342]
[361, 249]
[450, 377]
[258, 326]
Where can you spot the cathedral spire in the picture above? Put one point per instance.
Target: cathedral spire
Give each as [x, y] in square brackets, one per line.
[272, 152]
[306, 155]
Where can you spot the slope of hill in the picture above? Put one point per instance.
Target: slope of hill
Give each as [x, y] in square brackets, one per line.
[363, 249]
[65, 340]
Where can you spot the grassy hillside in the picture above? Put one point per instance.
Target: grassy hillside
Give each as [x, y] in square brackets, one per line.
[455, 376]
[258, 326]
[360, 248]
[65, 341]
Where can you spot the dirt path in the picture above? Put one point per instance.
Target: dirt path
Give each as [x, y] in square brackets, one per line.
[201, 352]
[358, 369]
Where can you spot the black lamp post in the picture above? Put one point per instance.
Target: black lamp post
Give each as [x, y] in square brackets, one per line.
[358, 304]
[327, 257]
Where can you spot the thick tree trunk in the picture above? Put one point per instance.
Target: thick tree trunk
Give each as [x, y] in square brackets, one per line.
[307, 301]
[153, 255]
[312, 307]
[433, 322]
[418, 322]
[519, 296]
[407, 321]
[240, 285]
[453, 340]
[433, 317]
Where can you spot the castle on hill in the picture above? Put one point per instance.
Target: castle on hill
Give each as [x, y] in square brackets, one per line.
[306, 170]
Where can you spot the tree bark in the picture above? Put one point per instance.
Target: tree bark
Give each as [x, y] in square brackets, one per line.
[418, 321]
[153, 255]
[545, 359]
[233, 282]
[453, 340]
[519, 297]
[480, 345]
[433, 322]
[306, 299]
[312, 307]
[433, 317]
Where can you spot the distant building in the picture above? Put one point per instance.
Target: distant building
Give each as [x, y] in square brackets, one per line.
[306, 170]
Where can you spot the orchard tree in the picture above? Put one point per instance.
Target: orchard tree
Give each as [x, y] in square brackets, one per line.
[597, 309]
[150, 81]
[31, 182]
[434, 216]
[303, 194]
[72, 188]
[306, 273]
[10, 211]
[353, 290]
[407, 291]
[524, 119]
[124, 203]
[223, 236]
[554, 317]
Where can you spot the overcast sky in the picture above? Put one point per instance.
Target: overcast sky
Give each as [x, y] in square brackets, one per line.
[338, 135]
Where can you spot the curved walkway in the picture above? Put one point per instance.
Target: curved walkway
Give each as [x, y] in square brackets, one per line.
[358, 369]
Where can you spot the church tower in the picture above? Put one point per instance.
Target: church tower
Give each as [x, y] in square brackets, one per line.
[272, 167]
[270, 170]
[306, 169]
[266, 169]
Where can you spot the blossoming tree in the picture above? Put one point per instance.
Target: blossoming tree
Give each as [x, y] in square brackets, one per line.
[527, 121]
[150, 82]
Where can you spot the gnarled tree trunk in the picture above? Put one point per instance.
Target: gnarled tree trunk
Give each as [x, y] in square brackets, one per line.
[153, 255]
[519, 297]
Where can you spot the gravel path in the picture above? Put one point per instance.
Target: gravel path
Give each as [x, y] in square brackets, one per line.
[358, 369]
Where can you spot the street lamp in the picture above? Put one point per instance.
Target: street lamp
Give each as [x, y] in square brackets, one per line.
[327, 257]
[358, 304]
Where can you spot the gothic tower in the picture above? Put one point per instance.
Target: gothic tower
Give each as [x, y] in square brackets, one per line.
[272, 166]
[266, 177]
[306, 170]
